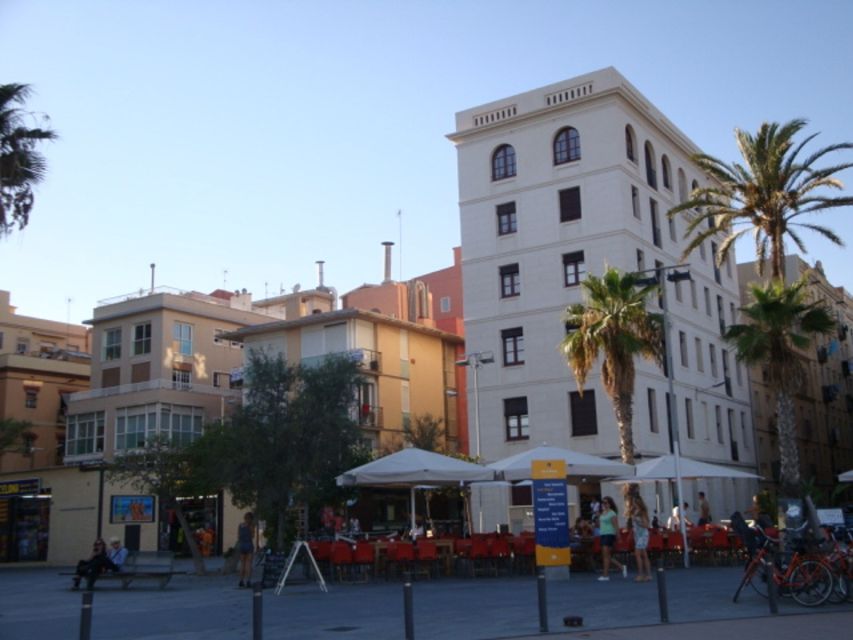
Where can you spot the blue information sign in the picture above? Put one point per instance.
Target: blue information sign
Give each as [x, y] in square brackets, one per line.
[551, 513]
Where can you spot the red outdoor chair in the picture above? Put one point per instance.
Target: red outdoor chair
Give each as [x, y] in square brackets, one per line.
[322, 552]
[462, 552]
[624, 546]
[426, 556]
[480, 560]
[364, 559]
[656, 545]
[341, 559]
[401, 557]
[500, 555]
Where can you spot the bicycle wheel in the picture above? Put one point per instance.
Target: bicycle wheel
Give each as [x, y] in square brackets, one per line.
[759, 580]
[811, 583]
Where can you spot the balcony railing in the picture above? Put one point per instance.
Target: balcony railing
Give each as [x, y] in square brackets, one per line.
[367, 359]
[153, 385]
[368, 416]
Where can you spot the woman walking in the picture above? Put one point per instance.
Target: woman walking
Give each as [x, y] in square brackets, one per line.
[639, 514]
[609, 525]
[246, 547]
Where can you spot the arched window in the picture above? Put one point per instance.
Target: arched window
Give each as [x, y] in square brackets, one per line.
[503, 162]
[682, 186]
[567, 146]
[651, 171]
[629, 144]
[665, 172]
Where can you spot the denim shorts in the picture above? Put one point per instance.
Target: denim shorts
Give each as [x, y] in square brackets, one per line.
[608, 539]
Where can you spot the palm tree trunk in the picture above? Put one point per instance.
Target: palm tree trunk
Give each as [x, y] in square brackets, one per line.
[789, 457]
[198, 560]
[623, 407]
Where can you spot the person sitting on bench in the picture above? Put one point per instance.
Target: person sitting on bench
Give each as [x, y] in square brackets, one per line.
[117, 553]
[95, 565]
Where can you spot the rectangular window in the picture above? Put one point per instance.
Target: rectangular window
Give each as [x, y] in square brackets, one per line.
[672, 232]
[444, 304]
[135, 426]
[678, 295]
[712, 353]
[635, 201]
[570, 204]
[718, 415]
[682, 346]
[653, 411]
[732, 439]
[22, 347]
[744, 427]
[700, 361]
[181, 379]
[513, 346]
[688, 412]
[693, 298]
[653, 208]
[717, 278]
[510, 280]
[183, 337]
[507, 222]
[720, 317]
[112, 344]
[84, 434]
[738, 373]
[516, 419]
[31, 397]
[583, 416]
[662, 280]
[142, 339]
[221, 380]
[574, 268]
[732, 313]
[707, 301]
[182, 425]
[706, 427]
[641, 260]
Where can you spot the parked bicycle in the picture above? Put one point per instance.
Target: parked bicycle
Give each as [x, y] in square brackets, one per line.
[805, 577]
[839, 556]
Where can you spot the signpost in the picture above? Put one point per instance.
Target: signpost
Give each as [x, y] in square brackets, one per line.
[551, 513]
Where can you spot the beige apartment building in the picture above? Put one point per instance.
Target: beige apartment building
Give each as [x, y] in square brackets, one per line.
[42, 362]
[160, 367]
[824, 404]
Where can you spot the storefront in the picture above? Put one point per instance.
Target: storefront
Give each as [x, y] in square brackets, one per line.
[24, 521]
[204, 515]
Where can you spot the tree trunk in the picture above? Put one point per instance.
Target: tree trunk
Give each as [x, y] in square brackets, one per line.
[789, 457]
[623, 407]
[198, 560]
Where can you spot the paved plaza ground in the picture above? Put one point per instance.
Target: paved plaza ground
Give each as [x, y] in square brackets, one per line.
[36, 604]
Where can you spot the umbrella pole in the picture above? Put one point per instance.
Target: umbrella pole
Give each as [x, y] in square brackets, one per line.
[412, 530]
[681, 513]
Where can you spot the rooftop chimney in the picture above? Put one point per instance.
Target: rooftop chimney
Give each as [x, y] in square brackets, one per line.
[387, 246]
[320, 264]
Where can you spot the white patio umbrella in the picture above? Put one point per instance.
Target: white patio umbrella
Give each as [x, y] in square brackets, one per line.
[663, 468]
[578, 465]
[412, 467]
[847, 476]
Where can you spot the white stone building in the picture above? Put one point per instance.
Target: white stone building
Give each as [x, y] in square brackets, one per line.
[558, 182]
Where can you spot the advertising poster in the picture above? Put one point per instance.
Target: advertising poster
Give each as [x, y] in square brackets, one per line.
[131, 509]
[551, 513]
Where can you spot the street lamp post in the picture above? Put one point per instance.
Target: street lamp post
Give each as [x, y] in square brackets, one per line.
[475, 361]
[657, 278]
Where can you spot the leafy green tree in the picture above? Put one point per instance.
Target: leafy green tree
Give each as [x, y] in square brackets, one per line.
[13, 435]
[291, 438]
[21, 165]
[767, 195]
[780, 323]
[166, 471]
[425, 432]
[613, 322]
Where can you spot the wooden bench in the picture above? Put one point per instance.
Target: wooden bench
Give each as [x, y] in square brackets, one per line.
[144, 565]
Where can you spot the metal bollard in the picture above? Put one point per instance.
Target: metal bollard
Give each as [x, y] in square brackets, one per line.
[407, 606]
[86, 616]
[543, 599]
[772, 593]
[662, 602]
[257, 611]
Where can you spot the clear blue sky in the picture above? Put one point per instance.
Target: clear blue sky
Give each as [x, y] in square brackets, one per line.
[259, 136]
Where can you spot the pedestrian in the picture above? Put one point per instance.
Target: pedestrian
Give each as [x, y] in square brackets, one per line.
[117, 553]
[96, 564]
[704, 510]
[639, 514]
[609, 526]
[246, 547]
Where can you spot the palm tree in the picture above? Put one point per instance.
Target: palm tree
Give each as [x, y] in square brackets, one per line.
[781, 322]
[613, 322]
[21, 166]
[767, 195]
